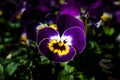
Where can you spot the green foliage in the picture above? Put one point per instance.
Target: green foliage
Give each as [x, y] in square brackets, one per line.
[10, 69]
[82, 76]
[1, 69]
[65, 75]
[44, 60]
[69, 69]
[108, 31]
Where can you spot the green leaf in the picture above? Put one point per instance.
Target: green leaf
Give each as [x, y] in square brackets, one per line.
[22, 62]
[1, 69]
[10, 69]
[2, 20]
[2, 77]
[44, 60]
[14, 25]
[105, 70]
[63, 75]
[1, 47]
[69, 69]
[66, 77]
[63, 64]
[93, 78]
[108, 56]
[82, 76]
[108, 45]
[119, 54]
[92, 45]
[5, 61]
[109, 31]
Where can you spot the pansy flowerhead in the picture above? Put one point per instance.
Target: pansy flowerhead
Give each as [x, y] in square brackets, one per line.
[62, 40]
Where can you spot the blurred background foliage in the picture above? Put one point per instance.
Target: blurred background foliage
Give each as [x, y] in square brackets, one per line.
[99, 61]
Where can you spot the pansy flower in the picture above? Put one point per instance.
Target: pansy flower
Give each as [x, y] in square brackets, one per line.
[60, 41]
[36, 10]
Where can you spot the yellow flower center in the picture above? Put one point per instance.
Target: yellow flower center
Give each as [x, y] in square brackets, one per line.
[58, 47]
[106, 17]
[23, 39]
[1, 12]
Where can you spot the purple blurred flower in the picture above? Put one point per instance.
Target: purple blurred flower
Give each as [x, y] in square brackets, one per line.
[71, 7]
[22, 6]
[36, 10]
[7, 9]
[93, 8]
[43, 5]
[117, 15]
[60, 41]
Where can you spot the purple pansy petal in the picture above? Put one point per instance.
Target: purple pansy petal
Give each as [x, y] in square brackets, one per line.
[71, 11]
[96, 4]
[43, 48]
[71, 7]
[66, 21]
[44, 5]
[117, 15]
[78, 38]
[46, 32]
[30, 30]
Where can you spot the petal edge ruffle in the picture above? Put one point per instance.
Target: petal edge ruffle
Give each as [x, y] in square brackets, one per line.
[66, 21]
[78, 38]
[46, 32]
